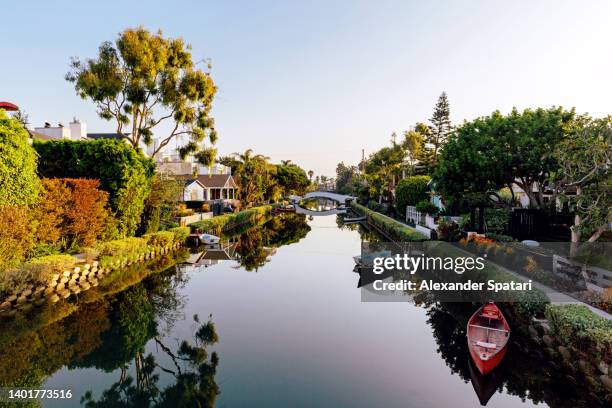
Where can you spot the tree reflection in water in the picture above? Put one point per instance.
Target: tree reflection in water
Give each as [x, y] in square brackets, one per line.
[193, 370]
[257, 244]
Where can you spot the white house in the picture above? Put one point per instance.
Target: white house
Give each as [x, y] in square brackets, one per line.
[209, 187]
[76, 130]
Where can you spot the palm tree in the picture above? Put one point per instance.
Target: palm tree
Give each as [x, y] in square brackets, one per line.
[310, 174]
[286, 162]
[248, 156]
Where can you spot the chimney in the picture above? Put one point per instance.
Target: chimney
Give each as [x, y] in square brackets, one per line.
[78, 129]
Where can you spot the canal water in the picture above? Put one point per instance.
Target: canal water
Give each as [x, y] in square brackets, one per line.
[274, 319]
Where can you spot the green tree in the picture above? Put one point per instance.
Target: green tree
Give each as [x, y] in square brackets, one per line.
[584, 177]
[291, 178]
[144, 80]
[310, 174]
[496, 151]
[19, 184]
[383, 170]
[410, 191]
[441, 126]
[346, 178]
[254, 176]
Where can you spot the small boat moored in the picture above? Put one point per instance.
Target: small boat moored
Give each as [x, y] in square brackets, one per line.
[209, 239]
[488, 333]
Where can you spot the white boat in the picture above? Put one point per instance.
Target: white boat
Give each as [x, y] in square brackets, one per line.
[209, 239]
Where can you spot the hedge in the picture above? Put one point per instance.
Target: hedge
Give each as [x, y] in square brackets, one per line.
[227, 222]
[124, 172]
[394, 228]
[579, 327]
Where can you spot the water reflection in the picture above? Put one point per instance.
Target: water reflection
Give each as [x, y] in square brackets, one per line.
[192, 368]
[134, 347]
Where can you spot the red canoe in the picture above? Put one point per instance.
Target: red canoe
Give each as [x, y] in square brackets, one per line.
[487, 333]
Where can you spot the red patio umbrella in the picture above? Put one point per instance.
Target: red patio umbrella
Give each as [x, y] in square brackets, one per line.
[7, 106]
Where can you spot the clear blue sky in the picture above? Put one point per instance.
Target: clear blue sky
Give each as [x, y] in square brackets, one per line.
[317, 81]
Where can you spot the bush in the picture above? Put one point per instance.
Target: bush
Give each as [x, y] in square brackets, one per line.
[448, 231]
[161, 238]
[205, 207]
[180, 233]
[427, 207]
[37, 271]
[123, 247]
[19, 184]
[500, 237]
[389, 225]
[410, 191]
[226, 222]
[496, 220]
[375, 206]
[16, 235]
[73, 211]
[124, 172]
[582, 329]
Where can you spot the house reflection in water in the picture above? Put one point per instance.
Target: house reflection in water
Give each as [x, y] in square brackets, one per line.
[209, 255]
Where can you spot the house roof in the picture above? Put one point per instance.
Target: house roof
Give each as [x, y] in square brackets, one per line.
[210, 181]
[39, 136]
[217, 181]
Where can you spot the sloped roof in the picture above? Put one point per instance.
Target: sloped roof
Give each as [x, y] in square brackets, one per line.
[217, 181]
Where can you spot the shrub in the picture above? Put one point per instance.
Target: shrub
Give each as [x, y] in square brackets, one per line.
[448, 231]
[124, 172]
[582, 329]
[389, 225]
[161, 238]
[410, 191]
[74, 211]
[427, 207]
[496, 220]
[228, 221]
[16, 235]
[19, 184]
[180, 233]
[500, 237]
[37, 271]
[123, 247]
[205, 207]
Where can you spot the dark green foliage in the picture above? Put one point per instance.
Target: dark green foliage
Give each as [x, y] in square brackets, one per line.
[124, 173]
[492, 152]
[427, 207]
[496, 220]
[440, 127]
[394, 228]
[410, 191]
[292, 178]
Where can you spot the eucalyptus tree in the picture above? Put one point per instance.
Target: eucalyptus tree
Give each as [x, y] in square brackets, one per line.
[585, 159]
[144, 80]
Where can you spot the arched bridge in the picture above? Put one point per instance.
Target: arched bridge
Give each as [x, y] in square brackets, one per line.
[341, 198]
